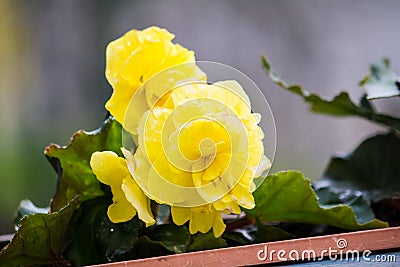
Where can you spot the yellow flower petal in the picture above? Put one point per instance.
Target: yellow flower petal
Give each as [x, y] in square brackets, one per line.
[235, 87]
[218, 226]
[135, 57]
[228, 208]
[202, 219]
[121, 211]
[109, 168]
[138, 199]
[118, 102]
[128, 198]
[244, 197]
[180, 215]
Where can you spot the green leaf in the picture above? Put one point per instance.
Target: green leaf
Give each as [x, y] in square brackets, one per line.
[340, 105]
[269, 233]
[355, 199]
[75, 177]
[372, 169]
[146, 248]
[238, 237]
[26, 207]
[173, 237]
[288, 197]
[256, 233]
[92, 238]
[38, 241]
[381, 82]
[81, 244]
[205, 241]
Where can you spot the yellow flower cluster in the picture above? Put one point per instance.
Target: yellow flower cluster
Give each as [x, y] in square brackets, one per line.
[199, 146]
[132, 59]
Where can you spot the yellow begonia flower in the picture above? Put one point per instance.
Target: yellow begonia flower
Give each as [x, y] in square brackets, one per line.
[128, 198]
[135, 57]
[200, 151]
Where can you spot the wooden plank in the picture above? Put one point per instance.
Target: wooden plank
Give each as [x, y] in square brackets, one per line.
[339, 245]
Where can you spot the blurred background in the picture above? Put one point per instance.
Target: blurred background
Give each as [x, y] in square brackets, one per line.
[52, 58]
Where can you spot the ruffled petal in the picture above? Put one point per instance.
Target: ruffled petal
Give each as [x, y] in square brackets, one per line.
[128, 198]
[138, 199]
[119, 100]
[230, 207]
[202, 219]
[180, 215]
[135, 57]
[244, 197]
[109, 168]
[218, 226]
[121, 211]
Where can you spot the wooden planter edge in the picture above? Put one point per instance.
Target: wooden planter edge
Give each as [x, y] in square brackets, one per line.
[338, 244]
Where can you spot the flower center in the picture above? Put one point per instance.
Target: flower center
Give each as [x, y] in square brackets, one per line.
[207, 148]
[201, 140]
